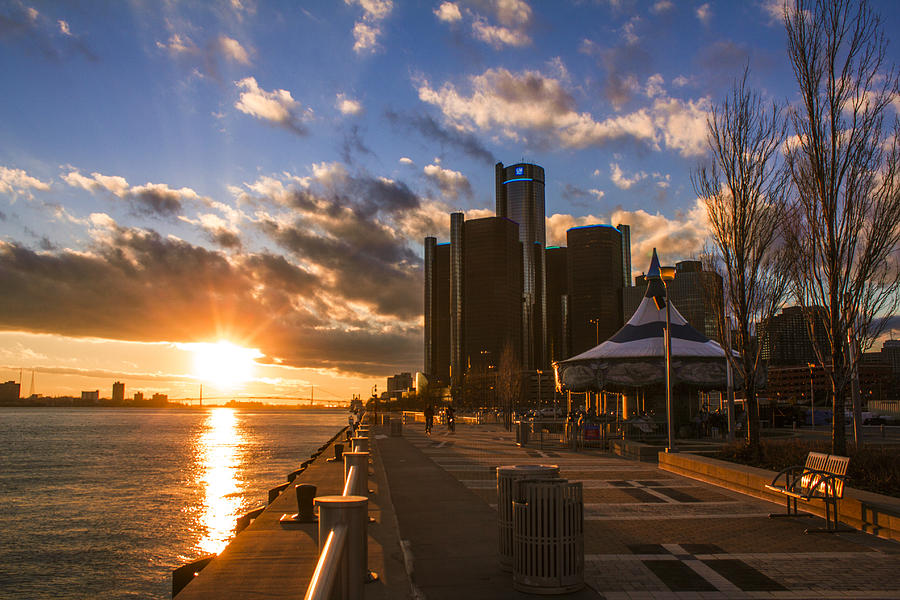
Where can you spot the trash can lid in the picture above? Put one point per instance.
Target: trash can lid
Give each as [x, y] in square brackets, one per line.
[527, 468]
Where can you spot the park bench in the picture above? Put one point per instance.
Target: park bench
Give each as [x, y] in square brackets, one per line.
[821, 478]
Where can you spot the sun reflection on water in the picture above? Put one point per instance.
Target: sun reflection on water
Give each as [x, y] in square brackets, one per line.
[218, 454]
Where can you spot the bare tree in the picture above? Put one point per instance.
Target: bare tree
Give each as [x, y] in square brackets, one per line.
[744, 193]
[843, 163]
[509, 382]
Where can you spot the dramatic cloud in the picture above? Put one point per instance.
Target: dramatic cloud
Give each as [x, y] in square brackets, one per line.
[451, 183]
[353, 144]
[277, 107]
[137, 285]
[348, 106]
[367, 30]
[536, 109]
[433, 132]
[150, 198]
[16, 182]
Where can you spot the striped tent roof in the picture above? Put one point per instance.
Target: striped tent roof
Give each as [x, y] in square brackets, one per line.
[635, 355]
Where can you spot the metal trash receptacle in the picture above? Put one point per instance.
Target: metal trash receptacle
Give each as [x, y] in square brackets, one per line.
[396, 428]
[506, 477]
[548, 536]
[523, 428]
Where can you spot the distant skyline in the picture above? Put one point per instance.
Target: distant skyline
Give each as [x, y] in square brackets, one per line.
[265, 172]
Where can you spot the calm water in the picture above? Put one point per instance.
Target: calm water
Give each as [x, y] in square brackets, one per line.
[104, 503]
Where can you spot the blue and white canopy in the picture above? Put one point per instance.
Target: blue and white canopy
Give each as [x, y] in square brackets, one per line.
[635, 355]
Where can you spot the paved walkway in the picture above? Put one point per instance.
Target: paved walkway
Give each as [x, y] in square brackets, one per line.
[649, 534]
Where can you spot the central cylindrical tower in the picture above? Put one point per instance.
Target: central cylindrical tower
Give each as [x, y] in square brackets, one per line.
[520, 198]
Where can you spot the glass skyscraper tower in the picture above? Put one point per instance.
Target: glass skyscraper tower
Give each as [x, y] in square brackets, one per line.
[519, 193]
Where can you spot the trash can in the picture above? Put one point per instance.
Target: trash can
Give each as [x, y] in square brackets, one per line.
[548, 536]
[523, 428]
[396, 428]
[506, 476]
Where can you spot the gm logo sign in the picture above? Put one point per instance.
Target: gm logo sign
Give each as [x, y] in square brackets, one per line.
[520, 170]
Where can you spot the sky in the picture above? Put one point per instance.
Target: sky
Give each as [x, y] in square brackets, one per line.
[264, 173]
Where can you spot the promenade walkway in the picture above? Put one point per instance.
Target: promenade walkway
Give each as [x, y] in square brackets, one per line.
[649, 534]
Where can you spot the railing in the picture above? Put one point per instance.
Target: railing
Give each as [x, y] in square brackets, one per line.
[342, 532]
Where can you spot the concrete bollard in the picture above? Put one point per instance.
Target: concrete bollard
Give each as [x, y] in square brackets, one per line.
[360, 460]
[338, 453]
[360, 444]
[305, 495]
[349, 511]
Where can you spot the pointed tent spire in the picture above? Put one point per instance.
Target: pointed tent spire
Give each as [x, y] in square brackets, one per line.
[655, 287]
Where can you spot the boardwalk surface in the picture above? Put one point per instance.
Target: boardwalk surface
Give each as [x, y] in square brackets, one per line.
[648, 533]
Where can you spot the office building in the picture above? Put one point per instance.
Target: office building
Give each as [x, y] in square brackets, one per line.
[9, 392]
[457, 366]
[118, 392]
[625, 230]
[786, 341]
[594, 285]
[400, 382]
[519, 195]
[557, 303]
[437, 312]
[492, 283]
[696, 293]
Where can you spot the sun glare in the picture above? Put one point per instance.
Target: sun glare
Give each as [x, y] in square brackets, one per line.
[224, 364]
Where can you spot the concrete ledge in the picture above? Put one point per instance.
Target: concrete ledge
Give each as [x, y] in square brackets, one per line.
[634, 450]
[865, 511]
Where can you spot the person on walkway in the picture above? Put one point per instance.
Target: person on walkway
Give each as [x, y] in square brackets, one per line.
[451, 419]
[429, 419]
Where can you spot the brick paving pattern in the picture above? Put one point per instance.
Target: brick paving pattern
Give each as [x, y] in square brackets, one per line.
[650, 534]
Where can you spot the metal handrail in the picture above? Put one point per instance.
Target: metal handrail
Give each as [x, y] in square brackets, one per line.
[329, 563]
[352, 485]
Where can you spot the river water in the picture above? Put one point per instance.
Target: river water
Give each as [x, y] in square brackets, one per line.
[104, 503]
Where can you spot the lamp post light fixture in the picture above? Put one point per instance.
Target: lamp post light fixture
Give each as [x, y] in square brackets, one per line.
[666, 274]
[596, 324]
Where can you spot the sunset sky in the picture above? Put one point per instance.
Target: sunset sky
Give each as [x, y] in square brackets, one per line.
[174, 173]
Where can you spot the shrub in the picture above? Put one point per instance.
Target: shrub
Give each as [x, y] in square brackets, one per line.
[872, 468]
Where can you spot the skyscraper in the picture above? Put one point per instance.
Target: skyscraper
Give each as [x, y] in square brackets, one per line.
[437, 311]
[625, 230]
[595, 281]
[492, 284]
[519, 191]
[557, 304]
[456, 295]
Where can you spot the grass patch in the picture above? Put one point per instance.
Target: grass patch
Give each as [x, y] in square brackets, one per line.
[872, 468]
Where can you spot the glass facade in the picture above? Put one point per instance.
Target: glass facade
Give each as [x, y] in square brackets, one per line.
[519, 192]
[456, 295]
[594, 276]
[556, 296]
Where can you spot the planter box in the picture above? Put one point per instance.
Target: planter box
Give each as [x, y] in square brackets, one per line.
[865, 511]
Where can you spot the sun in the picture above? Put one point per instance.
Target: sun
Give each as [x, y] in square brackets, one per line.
[224, 364]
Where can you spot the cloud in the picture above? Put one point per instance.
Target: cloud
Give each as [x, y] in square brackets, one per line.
[675, 238]
[774, 9]
[498, 23]
[537, 110]
[277, 107]
[16, 182]
[368, 28]
[433, 132]
[353, 143]
[208, 57]
[451, 183]
[405, 160]
[137, 285]
[150, 198]
[620, 180]
[662, 6]
[448, 12]
[348, 106]
[704, 13]
[579, 195]
[35, 32]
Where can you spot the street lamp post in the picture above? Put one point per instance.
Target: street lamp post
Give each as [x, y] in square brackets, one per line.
[666, 274]
[812, 396]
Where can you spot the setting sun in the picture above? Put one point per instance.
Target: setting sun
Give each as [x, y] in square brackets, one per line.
[223, 364]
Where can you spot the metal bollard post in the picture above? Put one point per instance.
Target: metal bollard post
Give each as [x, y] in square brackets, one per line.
[350, 511]
[360, 460]
[305, 495]
[338, 452]
[360, 444]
